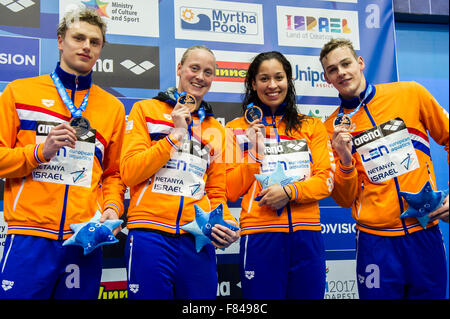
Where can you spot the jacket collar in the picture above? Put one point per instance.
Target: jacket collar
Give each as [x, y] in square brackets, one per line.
[354, 102]
[69, 80]
[268, 112]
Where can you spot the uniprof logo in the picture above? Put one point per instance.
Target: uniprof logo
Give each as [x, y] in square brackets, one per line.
[16, 6]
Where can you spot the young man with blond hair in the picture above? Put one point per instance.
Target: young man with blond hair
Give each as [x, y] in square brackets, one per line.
[380, 136]
[60, 143]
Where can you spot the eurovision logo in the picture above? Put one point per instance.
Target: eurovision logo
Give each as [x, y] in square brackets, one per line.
[19, 58]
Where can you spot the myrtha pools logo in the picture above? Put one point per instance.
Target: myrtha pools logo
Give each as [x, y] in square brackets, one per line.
[219, 20]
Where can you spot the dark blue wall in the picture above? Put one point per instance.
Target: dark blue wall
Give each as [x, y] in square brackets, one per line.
[422, 56]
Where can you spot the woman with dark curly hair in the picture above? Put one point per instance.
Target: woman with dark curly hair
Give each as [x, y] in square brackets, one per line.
[281, 167]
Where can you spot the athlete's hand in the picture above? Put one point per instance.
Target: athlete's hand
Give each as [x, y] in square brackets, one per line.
[342, 144]
[181, 117]
[440, 213]
[255, 135]
[59, 136]
[223, 236]
[274, 196]
[111, 214]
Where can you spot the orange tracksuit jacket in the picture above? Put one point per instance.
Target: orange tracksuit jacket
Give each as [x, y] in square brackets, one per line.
[148, 147]
[377, 207]
[47, 209]
[303, 210]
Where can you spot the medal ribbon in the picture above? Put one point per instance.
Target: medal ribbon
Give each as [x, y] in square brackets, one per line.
[366, 95]
[74, 111]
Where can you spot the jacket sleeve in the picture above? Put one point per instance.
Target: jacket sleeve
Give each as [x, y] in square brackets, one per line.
[434, 117]
[320, 184]
[141, 157]
[240, 166]
[346, 185]
[112, 185]
[15, 161]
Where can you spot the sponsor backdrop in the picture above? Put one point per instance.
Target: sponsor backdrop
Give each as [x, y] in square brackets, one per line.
[146, 38]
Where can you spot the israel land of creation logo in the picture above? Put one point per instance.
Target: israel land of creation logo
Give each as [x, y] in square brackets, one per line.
[309, 27]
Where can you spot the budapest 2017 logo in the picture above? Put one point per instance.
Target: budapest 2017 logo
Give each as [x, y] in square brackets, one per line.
[219, 20]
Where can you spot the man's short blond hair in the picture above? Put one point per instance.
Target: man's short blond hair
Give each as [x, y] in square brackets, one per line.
[82, 14]
[334, 44]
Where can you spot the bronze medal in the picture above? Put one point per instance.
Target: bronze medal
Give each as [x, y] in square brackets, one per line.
[343, 121]
[253, 113]
[188, 100]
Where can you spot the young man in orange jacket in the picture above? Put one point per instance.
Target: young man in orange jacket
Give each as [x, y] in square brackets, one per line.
[380, 136]
[58, 175]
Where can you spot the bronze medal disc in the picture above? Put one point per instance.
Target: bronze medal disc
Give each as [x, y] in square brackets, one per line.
[188, 100]
[343, 121]
[253, 113]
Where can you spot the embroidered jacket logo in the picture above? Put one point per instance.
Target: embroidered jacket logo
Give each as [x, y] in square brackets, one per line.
[7, 284]
[134, 288]
[249, 274]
